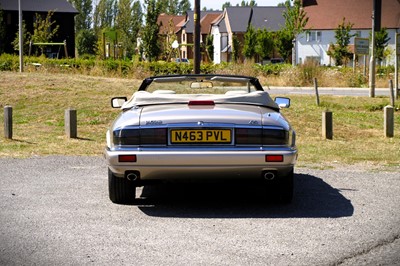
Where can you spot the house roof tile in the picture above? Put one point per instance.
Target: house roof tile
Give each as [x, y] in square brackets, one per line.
[270, 18]
[164, 20]
[238, 18]
[328, 14]
[189, 26]
[206, 21]
[62, 6]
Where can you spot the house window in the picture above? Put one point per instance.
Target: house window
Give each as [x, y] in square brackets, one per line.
[184, 37]
[314, 36]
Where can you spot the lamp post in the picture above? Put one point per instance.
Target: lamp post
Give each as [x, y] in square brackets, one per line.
[21, 39]
[196, 20]
[376, 26]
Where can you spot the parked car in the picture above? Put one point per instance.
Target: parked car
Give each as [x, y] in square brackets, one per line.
[181, 60]
[198, 128]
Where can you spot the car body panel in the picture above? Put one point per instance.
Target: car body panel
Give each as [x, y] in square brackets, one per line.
[236, 111]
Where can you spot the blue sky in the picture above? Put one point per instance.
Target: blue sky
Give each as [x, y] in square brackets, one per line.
[217, 4]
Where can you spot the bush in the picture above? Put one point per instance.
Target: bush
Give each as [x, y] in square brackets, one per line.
[9, 62]
[273, 74]
[86, 42]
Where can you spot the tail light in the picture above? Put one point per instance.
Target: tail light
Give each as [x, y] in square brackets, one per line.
[201, 102]
[273, 158]
[127, 158]
[140, 136]
[261, 136]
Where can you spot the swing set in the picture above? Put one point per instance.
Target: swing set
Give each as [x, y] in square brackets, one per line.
[50, 54]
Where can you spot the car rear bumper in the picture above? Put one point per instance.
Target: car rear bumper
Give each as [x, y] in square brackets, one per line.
[164, 165]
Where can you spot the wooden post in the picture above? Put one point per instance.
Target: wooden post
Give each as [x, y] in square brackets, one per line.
[389, 121]
[392, 98]
[316, 90]
[327, 125]
[8, 130]
[71, 123]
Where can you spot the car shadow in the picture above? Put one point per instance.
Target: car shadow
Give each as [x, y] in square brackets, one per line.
[313, 198]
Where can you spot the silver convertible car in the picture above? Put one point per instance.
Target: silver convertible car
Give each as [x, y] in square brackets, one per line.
[200, 128]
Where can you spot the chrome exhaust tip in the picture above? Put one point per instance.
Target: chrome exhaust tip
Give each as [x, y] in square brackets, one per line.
[132, 177]
[269, 176]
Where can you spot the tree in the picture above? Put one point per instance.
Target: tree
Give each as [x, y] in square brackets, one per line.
[184, 6]
[44, 29]
[86, 42]
[284, 43]
[295, 20]
[250, 38]
[235, 48]
[265, 43]
[104, 15]
[124, 23]
[210, 46]
[137, 14]
[26, 38]
[83, 20]
[167, 49]
[381, 42]
[150, 42]
[251, 3]
[226, 4]
[340, 51]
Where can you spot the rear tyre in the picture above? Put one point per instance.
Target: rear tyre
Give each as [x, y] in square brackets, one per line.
[285, 188]
[121, 190]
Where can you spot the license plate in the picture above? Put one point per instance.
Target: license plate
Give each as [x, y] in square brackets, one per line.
[201, 136]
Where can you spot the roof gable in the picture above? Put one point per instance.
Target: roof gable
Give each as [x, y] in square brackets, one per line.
[328, 14]
[237, 18]
[270, 18]
[189, 25]
[206, 22]
[62, 6]
[164, 21]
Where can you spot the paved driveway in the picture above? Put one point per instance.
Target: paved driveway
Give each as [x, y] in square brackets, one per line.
[55, 211]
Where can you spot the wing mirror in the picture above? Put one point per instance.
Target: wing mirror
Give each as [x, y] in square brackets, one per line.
[117, 102]
[282, 102]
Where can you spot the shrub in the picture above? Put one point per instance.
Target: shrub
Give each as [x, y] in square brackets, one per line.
[9, 62]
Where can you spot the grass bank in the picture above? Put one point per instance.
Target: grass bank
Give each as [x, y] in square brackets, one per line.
[40, 99]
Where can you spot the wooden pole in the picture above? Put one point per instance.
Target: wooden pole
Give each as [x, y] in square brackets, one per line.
[71, 123]
[21, 38]
[196, 20]
[316, 90]
[388, 117]
[327, 125]
[392, 97]
[8, 130]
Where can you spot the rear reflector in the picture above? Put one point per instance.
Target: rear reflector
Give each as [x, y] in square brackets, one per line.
[201, 102]
[127, 158]
[274, 158]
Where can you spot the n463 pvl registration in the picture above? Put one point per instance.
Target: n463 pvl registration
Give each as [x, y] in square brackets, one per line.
[201, 136]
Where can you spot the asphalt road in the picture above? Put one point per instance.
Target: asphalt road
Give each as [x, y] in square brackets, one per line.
[55, 211]
[327, 91]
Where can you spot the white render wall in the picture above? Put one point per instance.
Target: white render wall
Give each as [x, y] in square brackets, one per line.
[220, 41]
[306, 48]
[217, 44]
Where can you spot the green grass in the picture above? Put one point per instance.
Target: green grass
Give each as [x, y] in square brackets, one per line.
[39, 101]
